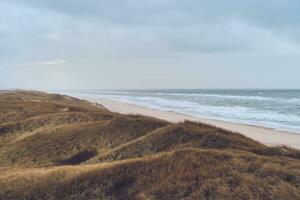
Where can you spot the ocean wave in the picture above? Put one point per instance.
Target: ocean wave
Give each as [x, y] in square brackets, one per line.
[278, 100]
[235, 97]
[196, 108]
[224, 96]
[256, 114]
[295, 101]
[153, 102]
[238, 112]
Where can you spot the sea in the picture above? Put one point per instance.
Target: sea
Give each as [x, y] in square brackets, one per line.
[277, 109]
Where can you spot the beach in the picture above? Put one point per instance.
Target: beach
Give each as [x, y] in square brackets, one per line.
[268, 136]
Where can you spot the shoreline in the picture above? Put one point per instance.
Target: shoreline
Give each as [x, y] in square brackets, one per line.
[267, 136]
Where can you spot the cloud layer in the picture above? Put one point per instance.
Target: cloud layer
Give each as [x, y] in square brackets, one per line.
[193, 43]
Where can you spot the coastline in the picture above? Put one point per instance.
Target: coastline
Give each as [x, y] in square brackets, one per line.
[267, 136]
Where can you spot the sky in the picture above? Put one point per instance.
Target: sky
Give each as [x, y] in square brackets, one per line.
[136, 44]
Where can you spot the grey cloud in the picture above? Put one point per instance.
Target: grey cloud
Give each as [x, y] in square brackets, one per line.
[188, 25]
[43, 63]
[266, 13]
[156, 35]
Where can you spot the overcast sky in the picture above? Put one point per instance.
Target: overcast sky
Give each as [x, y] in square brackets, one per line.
[75, 44]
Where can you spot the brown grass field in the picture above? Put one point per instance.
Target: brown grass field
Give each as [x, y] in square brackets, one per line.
[58, 147]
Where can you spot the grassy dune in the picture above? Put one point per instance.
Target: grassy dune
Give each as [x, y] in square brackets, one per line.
[59, 147]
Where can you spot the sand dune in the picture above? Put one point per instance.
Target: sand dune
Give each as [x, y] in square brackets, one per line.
[60, 147]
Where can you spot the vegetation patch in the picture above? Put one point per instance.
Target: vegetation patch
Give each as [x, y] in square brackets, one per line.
[59, 147]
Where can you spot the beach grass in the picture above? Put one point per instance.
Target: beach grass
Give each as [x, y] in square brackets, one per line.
[59, 147]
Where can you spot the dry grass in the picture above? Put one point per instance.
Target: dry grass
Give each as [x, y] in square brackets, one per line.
[58, 147]
[181, 174]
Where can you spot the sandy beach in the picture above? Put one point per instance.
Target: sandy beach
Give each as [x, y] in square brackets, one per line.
[266, 136]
